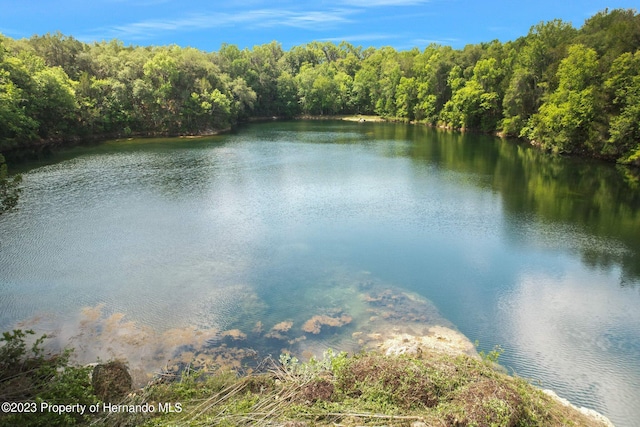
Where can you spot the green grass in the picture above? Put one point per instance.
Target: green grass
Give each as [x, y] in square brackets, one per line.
[364, 389]
[435, 389]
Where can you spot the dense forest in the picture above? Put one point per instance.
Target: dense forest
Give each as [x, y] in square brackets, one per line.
[567, 90]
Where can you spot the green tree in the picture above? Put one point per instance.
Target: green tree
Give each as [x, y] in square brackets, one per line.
[262, 75]
[520, 101]
[474, 104]
[431, 70]
[535, 65]
[218, 106]
[286, 103]
[623, 85]
[244, 98]
[53, 104]
[344, 83]
[54, 86]
[161, 74]
[406, 98]
[566, 122]
[318, 89]
[232, 60]
[61, 51]
[390, 73]
[16, 123]
[611, 33]
[365, 88]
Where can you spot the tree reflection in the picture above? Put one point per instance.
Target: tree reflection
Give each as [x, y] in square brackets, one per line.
[593, 199]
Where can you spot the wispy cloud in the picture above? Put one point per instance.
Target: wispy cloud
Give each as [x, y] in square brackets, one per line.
[361, 37]
[379, 3]
[11, 32]
[306, 20]
[141, 2]
[309, 20]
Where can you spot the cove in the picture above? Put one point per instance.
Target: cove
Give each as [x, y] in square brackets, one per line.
[306, 235]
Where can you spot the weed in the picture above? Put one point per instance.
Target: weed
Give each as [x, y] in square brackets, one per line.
[329, 363]
[30, 375]
[337, 389]
[492, 356]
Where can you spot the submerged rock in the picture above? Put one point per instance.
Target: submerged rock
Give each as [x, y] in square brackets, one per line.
[314, 325]
[235, 334]
[279, 330]
[283, 326]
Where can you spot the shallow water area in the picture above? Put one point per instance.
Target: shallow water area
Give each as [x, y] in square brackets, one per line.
[356, 313]
[303, 236]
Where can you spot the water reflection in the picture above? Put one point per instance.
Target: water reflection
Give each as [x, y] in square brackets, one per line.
[216, 249]
[570, 324]
[602, 200]
[598, 199]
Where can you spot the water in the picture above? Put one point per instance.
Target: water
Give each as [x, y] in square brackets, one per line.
[306, 235]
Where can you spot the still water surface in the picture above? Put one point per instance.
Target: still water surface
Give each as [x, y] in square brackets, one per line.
[308, 235]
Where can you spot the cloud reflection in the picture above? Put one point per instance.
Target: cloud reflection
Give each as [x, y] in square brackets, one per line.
[579, 335]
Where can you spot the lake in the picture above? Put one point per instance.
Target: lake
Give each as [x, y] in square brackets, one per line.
[307, 235]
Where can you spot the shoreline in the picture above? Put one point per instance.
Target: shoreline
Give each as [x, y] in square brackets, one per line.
[312, 388]
[318, 387]
[36, 149]
[452, 342]
[352, 119]
[383, 333]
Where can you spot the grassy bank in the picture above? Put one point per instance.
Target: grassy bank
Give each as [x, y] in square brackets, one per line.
[417, 386]
[431, 388]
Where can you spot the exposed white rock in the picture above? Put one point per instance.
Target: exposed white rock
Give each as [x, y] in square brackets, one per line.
[439, 338]
[594, 415]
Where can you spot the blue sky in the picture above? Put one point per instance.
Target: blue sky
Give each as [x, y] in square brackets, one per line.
[402, 24]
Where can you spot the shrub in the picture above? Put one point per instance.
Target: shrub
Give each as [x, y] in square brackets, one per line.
[28, 375]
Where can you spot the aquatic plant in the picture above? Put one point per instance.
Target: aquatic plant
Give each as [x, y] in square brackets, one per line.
[279, 330]
[236, 334]
[314, 325]
[282, 326]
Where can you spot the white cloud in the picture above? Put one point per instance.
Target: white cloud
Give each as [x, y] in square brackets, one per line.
[11, 32]
[311, 20]
[141, 2]
[361, 37]
[378, 3]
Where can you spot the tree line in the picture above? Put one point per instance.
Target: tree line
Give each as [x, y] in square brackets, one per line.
[567, 90]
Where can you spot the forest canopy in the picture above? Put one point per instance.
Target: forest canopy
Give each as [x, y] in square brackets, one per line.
[567, 90]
